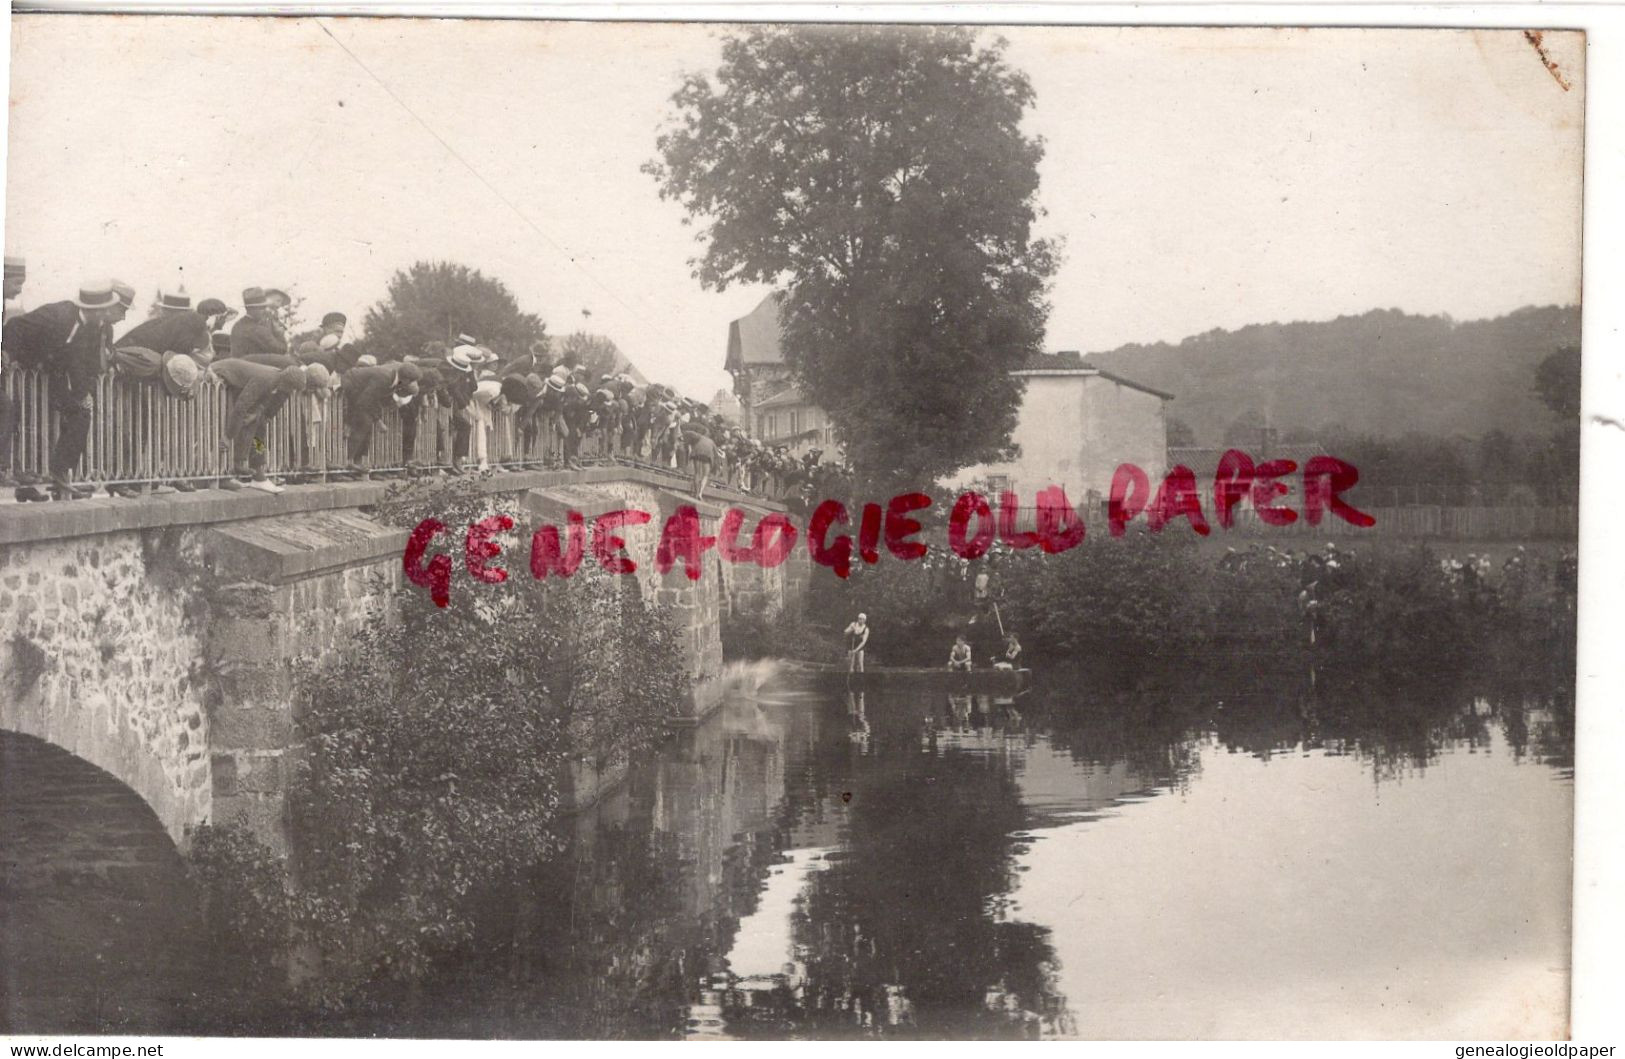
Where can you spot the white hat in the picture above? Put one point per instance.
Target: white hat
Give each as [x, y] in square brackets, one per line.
[487, 391]
[366, 360]
[181, 374]
[96, 294]
[461, 359]
[329, 341]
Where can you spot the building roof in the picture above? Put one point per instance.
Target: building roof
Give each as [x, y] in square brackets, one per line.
[1204, 460]
[753, 340]
[1071, 362]
[788, 397]
[754, 337]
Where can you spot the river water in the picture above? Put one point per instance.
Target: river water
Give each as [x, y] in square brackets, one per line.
[1184, 863]
[930, 865]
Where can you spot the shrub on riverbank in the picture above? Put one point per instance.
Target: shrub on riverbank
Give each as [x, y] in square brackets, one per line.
[749, 633]
[1380, 611]
[437, 746]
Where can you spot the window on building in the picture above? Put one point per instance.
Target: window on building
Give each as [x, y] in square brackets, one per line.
[999, 483]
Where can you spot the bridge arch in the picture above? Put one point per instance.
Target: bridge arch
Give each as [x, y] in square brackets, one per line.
[100, 931]
[102, 656]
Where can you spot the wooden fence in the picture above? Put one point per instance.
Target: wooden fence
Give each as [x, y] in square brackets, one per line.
[1423, 521]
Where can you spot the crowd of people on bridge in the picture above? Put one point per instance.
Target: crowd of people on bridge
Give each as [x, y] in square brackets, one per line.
[562, 412]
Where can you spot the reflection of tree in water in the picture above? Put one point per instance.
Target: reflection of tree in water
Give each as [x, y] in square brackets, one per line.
[1396, 721]
[904, 933]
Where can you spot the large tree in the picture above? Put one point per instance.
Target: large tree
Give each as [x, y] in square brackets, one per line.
[599, 354]
[437, 301]
[879, 177]
[1557, 381]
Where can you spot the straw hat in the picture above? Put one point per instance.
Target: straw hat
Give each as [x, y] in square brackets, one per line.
[180, 374]
[254, 298]
[174, 301]
[462, 358]
[96, 294]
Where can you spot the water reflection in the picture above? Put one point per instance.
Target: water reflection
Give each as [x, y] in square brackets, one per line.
[1198, 860]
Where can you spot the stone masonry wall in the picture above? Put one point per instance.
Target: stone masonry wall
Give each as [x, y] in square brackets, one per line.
[260, 633]
[101, 653]
[139, 652]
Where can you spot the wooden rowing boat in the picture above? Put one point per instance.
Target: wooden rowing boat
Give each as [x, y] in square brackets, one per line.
[913, 678]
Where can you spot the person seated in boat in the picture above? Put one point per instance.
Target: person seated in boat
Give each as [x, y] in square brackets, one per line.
[1012, 651]
[959, 658]
[857, 638]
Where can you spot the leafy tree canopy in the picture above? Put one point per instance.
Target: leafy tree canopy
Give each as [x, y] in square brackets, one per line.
[437, 301]
[600, 354]
[1557, 381]
[880, 178]
[1180, 434]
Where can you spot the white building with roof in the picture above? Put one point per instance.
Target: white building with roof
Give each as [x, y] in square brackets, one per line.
[1077, 422]
[1076, 425]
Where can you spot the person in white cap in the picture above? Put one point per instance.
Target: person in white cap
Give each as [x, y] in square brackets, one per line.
[67, 341]
[857, 638]
[457, 385]
[174, 374]
[485, 392]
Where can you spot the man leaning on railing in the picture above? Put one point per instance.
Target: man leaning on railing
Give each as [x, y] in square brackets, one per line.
[258, 392]
[167, 353]
[66, 341]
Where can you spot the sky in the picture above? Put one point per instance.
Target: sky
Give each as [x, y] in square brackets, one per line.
[1200, 178]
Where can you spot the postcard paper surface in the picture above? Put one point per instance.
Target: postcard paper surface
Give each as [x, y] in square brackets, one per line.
[592, 530]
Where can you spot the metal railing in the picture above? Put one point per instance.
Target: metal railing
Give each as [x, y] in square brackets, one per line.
[139, 434]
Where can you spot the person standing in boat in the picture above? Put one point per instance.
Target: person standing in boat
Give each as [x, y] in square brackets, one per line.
[1012, 651]
[857, 638]
[959, 659]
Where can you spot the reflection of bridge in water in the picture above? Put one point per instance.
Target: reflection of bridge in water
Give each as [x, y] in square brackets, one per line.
[846, 860]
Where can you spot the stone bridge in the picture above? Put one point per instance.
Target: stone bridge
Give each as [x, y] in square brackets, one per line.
[157, 638]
